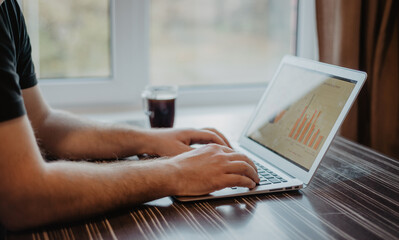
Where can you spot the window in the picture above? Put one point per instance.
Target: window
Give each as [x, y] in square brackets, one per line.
[216, 42]
[107, 51]
[72, 43]
[96, 52]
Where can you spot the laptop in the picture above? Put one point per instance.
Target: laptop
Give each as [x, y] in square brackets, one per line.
[293, 125]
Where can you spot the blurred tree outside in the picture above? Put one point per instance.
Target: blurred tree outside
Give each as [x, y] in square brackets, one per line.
[208, 42]
[74, 37]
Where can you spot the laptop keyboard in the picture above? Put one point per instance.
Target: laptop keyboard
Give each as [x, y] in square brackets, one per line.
[267, 176]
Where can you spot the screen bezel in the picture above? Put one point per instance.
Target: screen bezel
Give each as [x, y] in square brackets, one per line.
[357, 77]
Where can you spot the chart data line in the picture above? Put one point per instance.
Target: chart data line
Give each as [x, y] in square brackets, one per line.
[318, 143]
[297, 122]
[307, 127]
[314, 138]
[300, 127]
[312, 129]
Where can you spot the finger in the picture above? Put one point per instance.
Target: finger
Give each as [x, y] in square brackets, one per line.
[216, 148]
[242, 168]
[205, 137]
[226, 149]
[241, 157]
[234, 180]
[181, 148]
[219, 134]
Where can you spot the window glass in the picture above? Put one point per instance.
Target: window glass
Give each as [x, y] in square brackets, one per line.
[70, 39]
[214, 42]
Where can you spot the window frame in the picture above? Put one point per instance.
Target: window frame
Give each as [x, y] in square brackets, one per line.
[128, 74]
[130, 65]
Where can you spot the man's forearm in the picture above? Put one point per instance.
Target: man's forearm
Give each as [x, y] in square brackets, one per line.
[64, 135]
[34, 192]
[69, 190]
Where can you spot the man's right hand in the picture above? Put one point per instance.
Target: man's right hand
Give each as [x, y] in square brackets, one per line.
[210, 168]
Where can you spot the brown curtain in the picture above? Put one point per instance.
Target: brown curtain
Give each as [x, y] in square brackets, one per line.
[364, 35]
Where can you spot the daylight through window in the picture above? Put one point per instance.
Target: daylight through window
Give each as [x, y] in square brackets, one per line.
[70, 39]
[216, 42]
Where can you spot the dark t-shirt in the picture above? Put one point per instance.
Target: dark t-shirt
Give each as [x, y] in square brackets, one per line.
[16, 67]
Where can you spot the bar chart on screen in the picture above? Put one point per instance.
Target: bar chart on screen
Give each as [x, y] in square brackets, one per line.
[305, 129]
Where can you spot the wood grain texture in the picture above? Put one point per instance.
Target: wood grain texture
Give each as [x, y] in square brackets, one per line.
[354, 195]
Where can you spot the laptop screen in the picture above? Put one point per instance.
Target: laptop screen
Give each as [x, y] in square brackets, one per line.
[298, 113]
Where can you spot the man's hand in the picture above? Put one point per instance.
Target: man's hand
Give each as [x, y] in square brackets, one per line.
[210, 168]
[172, 142]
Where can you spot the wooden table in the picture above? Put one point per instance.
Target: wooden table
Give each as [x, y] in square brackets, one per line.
[354, 195]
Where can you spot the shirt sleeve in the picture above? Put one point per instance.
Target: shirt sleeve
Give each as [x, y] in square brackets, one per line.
[11, 102]
[25, 67]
